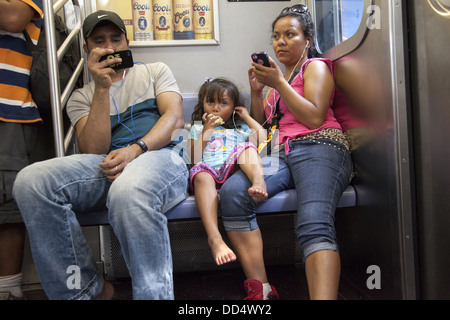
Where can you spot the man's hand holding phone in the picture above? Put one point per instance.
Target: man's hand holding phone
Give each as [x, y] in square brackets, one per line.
[125, 56]
[103, 64]
[101, 73]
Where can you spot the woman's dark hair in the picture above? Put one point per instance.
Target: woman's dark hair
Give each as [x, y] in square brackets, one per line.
[307, 24]
[213, 89]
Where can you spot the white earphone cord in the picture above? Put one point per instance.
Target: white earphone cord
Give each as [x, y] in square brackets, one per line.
[273, 109]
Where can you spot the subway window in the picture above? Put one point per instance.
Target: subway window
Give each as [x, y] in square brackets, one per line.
[336, 21]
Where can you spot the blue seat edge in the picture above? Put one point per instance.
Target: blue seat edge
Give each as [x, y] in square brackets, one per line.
[285, 201]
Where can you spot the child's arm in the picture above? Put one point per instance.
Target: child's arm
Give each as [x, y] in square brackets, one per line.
[197, 146]
[259, 133]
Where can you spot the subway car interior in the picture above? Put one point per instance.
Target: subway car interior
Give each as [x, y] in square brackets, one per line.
[392, 94]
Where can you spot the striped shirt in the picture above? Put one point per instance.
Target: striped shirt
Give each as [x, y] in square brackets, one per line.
[16, 103]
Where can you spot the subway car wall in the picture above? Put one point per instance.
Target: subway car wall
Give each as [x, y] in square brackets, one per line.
[392, 87]
[430, 96]
[245, 27]
[370, 75]
[395, 84]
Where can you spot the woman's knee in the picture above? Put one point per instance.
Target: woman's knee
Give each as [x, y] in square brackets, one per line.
[235, 190]
[315, 236]
[237, 207]
[234, 197]
[321, 245]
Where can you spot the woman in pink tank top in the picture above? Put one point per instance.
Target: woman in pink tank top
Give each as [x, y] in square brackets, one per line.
[310, 155]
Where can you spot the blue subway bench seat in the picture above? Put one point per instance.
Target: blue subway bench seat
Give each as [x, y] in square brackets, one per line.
[285, 201]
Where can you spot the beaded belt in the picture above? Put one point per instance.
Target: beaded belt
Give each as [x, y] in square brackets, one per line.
[329, 134]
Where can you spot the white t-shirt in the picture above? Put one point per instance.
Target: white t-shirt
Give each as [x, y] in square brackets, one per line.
[133, 108]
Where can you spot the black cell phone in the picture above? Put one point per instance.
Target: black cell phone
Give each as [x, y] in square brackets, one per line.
[261, 58]
[126, 56]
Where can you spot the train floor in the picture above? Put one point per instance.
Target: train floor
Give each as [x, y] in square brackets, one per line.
[289, 280]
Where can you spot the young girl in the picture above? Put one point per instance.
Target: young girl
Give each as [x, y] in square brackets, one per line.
[221, 128]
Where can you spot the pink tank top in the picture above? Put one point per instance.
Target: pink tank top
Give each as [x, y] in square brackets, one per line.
[289, 127]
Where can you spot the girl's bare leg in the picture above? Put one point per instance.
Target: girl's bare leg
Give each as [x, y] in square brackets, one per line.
[207, 204]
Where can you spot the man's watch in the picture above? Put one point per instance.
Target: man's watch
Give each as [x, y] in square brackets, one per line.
[142, 145]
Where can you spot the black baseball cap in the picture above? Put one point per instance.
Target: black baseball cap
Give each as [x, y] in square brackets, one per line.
[95, 18]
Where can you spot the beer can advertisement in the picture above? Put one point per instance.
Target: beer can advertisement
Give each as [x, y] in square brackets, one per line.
[165, 22]
[184, 29]
[142, 20]
[163, 16]
[203, 26]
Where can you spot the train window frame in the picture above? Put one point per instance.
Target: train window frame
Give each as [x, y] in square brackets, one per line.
[348, 45]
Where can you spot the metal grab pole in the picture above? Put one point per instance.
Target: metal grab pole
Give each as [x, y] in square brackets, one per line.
[53, 73]
[68, 42]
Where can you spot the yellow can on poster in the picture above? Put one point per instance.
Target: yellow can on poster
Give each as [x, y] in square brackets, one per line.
[142, 20]
[203, 19]
[163, 19]
[182, 20]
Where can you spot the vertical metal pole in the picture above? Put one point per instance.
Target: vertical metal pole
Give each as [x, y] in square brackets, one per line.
[53, 72]
[403, 157]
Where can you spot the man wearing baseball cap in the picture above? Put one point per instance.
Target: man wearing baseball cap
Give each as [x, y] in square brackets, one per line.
[124, 121]
[95, 18]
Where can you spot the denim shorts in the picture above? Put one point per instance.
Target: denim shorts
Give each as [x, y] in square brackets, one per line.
[319, 170]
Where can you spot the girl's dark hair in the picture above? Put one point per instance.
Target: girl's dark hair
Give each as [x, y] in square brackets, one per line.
[215, 89]
[308, 27]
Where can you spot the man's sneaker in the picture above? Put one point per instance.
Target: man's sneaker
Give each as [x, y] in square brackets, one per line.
[254, 289]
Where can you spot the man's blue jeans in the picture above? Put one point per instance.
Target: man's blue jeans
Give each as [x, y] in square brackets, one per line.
[49, 193]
